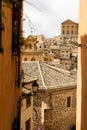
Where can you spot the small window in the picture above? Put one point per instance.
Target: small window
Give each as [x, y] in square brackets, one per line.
[67, 26]
[72, 26]
[63, 32]
[32, 59]
[27, 123]
[30, 46]
[66, 55]
[28, 101]
[67, 31]
[72, 32]
[25, 59]
[44, 46]
[68, 101]
[63, 26]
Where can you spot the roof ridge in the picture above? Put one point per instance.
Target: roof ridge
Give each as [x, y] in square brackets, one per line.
[41, 75]
[70, 21]
[59, 69]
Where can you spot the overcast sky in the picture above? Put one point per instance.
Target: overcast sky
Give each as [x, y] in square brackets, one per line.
[45, 16]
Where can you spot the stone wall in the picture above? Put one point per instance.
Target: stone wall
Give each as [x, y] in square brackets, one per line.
[32, 56]
[51, 109]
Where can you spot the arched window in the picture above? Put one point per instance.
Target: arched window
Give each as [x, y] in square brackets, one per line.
[30, 46]
[25, 59]
[32, 59]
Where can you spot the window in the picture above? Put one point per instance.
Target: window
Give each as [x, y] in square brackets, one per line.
[67, 26]
[72, 32]
[63, 26]
[30, 46]
[28, 101]
[55, 43]
[25, 59]
[32, 59]
[63, 32]
[72, 26]
[67, 31]
[69, 101]
[27, 123]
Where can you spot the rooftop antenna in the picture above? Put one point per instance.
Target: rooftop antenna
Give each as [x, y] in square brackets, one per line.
[30, 24]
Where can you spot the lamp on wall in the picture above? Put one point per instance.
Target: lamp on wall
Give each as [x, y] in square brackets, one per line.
[27, 90]
[35, 87]
[30, 91]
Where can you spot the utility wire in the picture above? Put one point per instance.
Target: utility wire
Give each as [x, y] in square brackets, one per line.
[33, 5]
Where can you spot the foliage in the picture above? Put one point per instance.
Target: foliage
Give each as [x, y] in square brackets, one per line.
[47, 58]
[17, 40]
[74, 65]
[17, 35]
[8, 1]
[11, 1]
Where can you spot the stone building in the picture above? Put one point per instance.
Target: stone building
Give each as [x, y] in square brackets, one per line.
[26, 113]
[55, 104]
[10, 67]
[30, 52]
[58, 108]
[69, 30]
[64, 53]
[27, 106]
[40, 40]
